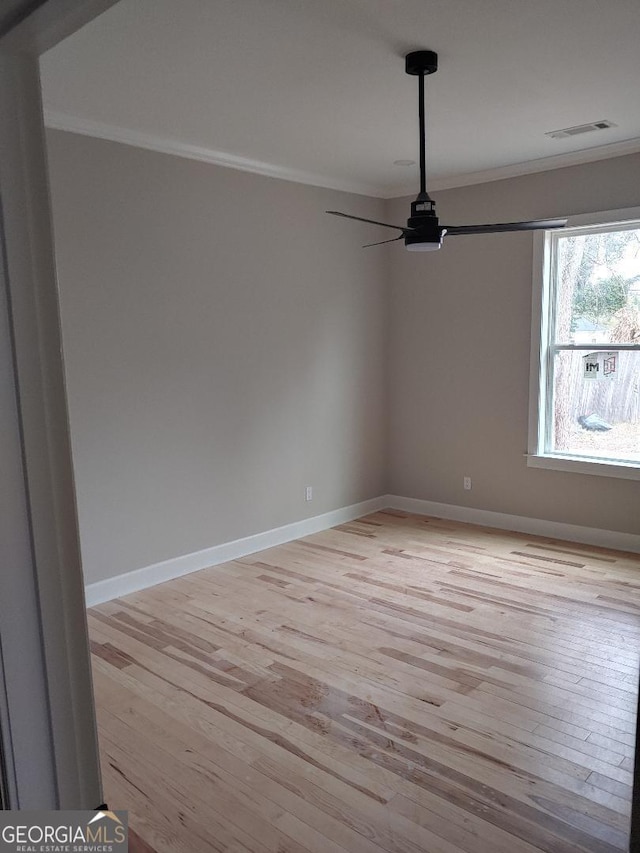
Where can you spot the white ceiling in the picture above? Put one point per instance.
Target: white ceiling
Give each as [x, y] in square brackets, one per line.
[315, 89]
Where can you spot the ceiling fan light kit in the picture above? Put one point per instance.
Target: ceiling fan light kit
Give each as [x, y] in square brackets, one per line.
[423, 232]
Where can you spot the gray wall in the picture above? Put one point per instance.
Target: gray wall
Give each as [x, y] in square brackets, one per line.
[460, 354]
[225, 345]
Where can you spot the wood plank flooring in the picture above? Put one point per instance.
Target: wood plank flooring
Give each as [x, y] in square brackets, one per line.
[399, 683]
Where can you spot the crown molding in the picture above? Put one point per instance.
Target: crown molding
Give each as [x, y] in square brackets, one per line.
[516, 170]
[113, 133]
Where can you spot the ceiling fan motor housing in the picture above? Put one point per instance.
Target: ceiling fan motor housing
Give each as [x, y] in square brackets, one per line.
[423, 213]
[424, 221]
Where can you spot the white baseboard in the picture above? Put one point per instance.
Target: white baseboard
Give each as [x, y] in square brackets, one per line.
[520, 524]
[134, 581]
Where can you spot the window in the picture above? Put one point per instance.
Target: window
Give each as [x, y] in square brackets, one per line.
[585, 382]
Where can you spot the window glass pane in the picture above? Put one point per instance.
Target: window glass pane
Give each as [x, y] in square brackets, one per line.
[598, 288]
[596, 404]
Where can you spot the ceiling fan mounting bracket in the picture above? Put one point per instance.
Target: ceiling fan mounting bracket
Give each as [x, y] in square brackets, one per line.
[421, 62]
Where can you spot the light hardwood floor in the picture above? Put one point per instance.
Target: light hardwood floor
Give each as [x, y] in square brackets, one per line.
[399, 683]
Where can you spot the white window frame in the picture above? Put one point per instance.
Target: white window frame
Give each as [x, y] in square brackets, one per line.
[543, 349]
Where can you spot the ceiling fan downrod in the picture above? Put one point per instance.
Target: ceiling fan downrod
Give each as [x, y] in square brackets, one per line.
[419, 63]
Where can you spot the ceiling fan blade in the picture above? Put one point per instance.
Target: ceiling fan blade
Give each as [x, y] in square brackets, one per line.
[392, 240]
[534, 225]
[370, 221]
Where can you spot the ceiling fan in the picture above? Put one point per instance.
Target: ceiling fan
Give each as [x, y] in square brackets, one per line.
[423, 232]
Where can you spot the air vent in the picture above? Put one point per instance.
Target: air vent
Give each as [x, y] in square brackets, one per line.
[580, 128]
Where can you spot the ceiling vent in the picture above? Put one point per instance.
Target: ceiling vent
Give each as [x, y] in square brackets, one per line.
[580, 128]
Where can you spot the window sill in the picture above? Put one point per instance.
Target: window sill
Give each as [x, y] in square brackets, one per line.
[580, 465]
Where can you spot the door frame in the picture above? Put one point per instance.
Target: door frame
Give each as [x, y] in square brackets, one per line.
[47, 715]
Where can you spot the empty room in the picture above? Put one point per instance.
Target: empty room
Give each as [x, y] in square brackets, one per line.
[348, 301]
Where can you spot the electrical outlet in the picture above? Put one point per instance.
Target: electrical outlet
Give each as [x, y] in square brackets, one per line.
[467, 483]
[308, 493]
